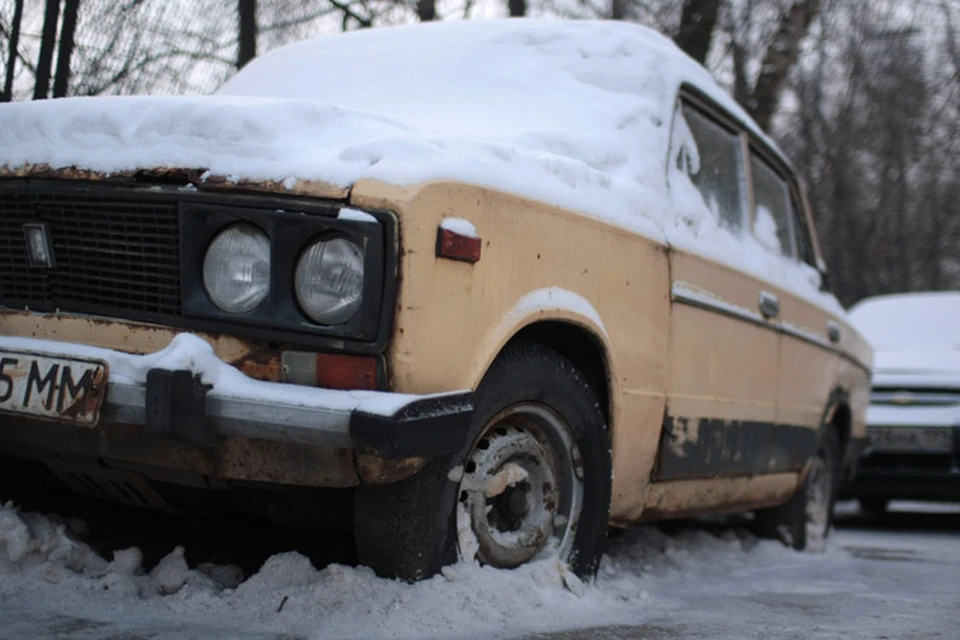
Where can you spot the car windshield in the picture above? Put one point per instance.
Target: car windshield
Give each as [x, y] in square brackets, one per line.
[910, 321]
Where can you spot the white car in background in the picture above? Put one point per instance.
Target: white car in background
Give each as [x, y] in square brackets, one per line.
[914, 417]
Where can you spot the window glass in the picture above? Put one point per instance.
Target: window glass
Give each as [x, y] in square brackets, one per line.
[773, 216]
[802, 235]
[710, 155]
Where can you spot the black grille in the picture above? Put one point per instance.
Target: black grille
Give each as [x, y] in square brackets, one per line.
[114, 253]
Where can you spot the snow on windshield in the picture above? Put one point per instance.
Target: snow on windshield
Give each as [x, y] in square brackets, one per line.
[910, 320]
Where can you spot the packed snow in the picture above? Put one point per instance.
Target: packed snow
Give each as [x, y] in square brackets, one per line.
[460, 227]
[686, 583]
[572, 113]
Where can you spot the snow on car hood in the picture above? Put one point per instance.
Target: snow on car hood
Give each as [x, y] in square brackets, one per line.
[244, 138]
[919, 367]
[946, 361]
[911, 321]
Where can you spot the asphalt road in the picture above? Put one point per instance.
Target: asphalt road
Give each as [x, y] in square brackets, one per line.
[898, 577]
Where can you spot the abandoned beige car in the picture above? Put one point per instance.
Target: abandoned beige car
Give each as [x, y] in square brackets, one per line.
[475, 290]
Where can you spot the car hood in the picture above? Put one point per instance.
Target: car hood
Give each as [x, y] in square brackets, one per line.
[926, 367]
[244, 138]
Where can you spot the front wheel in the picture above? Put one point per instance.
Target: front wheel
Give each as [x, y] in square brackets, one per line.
[533, 482]
[804, 522]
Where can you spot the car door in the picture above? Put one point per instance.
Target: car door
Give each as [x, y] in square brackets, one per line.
[807, 358]
[723, 376]
[812, 336]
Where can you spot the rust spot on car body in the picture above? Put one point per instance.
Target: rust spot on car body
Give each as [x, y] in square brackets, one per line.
[197, 177]
[373, 469]
[88, 403]
[258, 360]
[288, 463]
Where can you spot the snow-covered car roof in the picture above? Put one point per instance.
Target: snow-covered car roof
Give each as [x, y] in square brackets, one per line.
[910, 320]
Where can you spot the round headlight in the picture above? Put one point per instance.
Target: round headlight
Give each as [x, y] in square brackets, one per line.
[236, 269]
[329, 280]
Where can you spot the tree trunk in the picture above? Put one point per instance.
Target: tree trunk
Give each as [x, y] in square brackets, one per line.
[427, 10]
[697, 21]
[247, 14]
[518, 8]
[618, 9]
[779, 57]
[65, 50]
[47, 43]
[7, 95]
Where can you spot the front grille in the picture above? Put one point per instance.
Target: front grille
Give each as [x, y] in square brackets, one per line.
[114, 253]
[916, 397]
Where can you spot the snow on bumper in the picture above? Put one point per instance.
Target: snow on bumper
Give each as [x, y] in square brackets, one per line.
[187, 393]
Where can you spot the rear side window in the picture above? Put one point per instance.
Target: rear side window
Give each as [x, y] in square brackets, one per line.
[711, 156]
[774, 218]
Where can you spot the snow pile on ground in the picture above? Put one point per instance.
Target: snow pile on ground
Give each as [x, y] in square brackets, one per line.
[49, 548]
[645, 572]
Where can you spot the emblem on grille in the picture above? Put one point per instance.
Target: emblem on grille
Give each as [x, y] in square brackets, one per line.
[902, 398]
[39, 247]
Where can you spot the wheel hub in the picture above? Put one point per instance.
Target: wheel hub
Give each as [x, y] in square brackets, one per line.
[519, 488]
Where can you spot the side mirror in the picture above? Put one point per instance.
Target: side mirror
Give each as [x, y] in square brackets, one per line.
[825, 281]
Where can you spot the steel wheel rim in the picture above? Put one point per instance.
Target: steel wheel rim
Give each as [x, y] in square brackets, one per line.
[521, 491]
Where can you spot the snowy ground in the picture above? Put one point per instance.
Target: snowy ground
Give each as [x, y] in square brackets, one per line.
[895, 576]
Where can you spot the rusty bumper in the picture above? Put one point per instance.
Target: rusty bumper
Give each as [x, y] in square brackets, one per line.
[174, 404]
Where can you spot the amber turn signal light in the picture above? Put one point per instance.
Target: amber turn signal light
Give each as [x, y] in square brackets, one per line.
[331, 371]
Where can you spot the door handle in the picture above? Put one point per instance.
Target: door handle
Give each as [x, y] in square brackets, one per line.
[769, 305]
[833, 331]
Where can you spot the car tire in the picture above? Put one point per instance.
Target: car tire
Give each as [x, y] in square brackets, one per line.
[804, 521]
[534, 479]
[873, 506]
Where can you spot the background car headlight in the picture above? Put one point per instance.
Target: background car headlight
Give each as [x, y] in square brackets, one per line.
[329, 280]
[236, 269]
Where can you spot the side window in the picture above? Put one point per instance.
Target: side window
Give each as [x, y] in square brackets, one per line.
[774, 219]
[711, 156]
[802, 234]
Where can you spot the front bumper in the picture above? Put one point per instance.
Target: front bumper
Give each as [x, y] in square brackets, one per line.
[186, 395]
[905, 484]
[890, 472]
[174, 404]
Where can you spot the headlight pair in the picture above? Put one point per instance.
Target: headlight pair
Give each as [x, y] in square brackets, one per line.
[328, 281]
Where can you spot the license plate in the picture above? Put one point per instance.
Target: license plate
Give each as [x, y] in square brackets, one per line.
[919, 439]
[52, 387]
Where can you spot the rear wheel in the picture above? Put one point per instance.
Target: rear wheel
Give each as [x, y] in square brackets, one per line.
[533, 481]
[804, 521]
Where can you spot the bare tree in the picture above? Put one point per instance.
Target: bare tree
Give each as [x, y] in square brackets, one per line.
[517, 8]
[65, 48]
[427, 10]
[47, 44]
[247, 27]
[874, 130]
[698, 20]
[14, 50]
